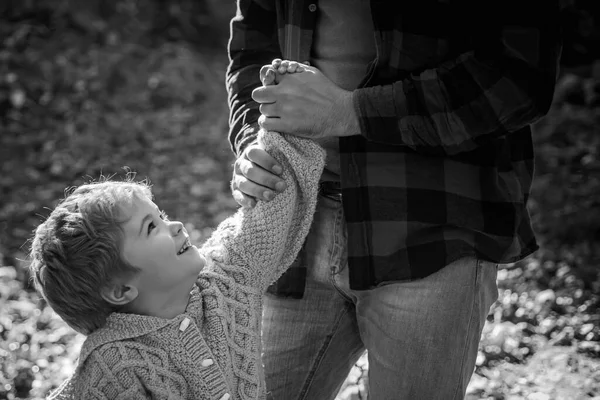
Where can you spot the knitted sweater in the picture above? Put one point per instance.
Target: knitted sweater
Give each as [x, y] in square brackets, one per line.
[211, 351]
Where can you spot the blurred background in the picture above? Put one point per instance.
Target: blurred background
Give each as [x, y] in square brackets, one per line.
[109, 86]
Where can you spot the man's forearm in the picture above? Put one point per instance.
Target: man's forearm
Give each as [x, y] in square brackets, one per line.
[505, 83]
[252, 44]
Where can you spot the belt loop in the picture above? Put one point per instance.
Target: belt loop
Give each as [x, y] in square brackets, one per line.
[331, 189]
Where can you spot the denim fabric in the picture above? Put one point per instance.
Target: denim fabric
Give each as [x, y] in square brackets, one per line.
[421, 335]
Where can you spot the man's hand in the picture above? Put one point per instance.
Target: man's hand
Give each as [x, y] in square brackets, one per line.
[255, 176]
[307, 104]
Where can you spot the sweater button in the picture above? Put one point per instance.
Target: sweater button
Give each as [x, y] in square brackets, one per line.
[184, 324]
[312, 7]
[226, 396]
[207, 363]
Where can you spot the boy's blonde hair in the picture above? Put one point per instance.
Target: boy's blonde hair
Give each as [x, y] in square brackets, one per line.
[77, 251]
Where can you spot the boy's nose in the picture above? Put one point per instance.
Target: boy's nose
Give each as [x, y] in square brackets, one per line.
[176, 228]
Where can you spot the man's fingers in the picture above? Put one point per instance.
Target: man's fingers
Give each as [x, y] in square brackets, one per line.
[250, 188]
[255, 175]
[276, 63]
[239, 196]
[260, 158]
[268, 124]
[263, 71]
[243, 200]
[272, 124]
[280, 125]
[283, 67]
[268, 109]
[292, 66]
[267, 75]
[264, 94]
[270, 77]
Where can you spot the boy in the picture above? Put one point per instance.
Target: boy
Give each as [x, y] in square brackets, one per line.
[163, 319]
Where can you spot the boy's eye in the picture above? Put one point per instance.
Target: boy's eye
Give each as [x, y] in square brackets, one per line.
[163, 215]
[151, 226]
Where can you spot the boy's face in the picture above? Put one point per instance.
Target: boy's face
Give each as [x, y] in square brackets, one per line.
[154, 244]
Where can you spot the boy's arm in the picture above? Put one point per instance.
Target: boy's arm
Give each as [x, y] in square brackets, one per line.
[257, 245]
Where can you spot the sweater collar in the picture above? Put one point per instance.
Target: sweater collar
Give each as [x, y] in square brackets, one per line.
[122, 326]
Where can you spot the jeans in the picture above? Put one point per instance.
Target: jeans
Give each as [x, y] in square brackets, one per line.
[422, 336]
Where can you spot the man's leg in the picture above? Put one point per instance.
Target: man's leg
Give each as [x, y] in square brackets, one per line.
[422, 336]
[310, 344]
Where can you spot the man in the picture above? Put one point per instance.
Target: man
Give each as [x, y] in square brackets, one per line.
[424, 109]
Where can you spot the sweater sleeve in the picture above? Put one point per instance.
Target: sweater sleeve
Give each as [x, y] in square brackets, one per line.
[257, 245]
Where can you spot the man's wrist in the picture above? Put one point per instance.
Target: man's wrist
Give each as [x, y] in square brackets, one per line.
[350, 124]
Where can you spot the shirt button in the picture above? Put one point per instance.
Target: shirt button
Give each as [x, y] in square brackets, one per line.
[312, 8]
[184, 324]
[226, 396]
[207, 363]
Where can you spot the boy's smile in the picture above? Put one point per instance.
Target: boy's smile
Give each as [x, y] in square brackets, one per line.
[161, 249]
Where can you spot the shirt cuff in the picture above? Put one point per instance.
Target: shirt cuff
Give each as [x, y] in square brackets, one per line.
[380, 110]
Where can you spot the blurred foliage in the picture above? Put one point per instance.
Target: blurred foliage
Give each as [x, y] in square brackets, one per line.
[88, 88]
[581, 22]
[75, 104]
[566, 192]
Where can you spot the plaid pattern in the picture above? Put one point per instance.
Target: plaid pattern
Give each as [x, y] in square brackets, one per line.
[444, 164]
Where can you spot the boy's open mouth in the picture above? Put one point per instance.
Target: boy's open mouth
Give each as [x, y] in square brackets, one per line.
[185, 247]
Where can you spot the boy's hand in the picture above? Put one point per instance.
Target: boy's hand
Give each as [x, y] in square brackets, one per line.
[271, 73]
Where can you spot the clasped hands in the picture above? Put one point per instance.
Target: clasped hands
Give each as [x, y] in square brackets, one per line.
[295, 99]
[298, 99]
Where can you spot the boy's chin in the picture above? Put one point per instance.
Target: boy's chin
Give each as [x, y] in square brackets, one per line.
[202, 260]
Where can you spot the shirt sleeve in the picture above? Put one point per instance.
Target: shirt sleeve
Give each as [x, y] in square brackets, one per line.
[503, 84]
[256, 245]
[253, 43]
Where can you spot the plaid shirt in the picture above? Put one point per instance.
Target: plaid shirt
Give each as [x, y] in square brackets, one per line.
[443, 166]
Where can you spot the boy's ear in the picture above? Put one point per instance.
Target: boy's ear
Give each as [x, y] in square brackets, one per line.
[119, 294]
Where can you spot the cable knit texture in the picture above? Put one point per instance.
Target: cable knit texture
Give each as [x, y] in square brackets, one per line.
[213, 349]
